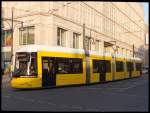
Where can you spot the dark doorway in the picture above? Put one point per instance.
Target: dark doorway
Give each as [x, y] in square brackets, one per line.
[130, 73]
[48, 72]
[102, 71]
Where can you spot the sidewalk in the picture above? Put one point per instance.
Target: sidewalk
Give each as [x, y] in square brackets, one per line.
[5, 79]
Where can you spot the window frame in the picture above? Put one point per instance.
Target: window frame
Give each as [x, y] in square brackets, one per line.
[97, 46]
[107, 68]
[88, 41]
[96, 64]
[138, 68]
[4, 35]
[119, 68]
[69, 62]
[129, 64]
[76, 37]
[25, 40]
[60, 37]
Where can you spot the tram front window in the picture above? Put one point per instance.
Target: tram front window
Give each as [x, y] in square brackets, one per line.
[25, 64]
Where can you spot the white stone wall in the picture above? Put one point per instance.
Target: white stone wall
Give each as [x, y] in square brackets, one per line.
[106, 21]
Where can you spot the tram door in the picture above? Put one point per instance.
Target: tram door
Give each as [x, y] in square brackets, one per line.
[48, 72]
[102, 71]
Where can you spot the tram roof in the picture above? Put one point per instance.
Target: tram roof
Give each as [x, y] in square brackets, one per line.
[36, 48]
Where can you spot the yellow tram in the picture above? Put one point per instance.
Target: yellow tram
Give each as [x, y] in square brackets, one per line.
[39, 66]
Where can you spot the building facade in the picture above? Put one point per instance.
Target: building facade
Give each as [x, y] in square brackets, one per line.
[146, 55]
[116, 27]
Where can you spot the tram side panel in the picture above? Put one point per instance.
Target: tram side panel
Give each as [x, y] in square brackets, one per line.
[70, 78]
[94, 74]
[138, 68]
[94, 71]
[119, 69]
[100, 69]
[130, 68]
[126, 72]
[66, 78]
[134, 70]
[109, 75]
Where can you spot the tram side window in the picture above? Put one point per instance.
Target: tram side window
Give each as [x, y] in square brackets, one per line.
[129, 66]
[69, 66]
[76, 65]
[119, 66]
[101, 66]
[138, 66]
[63, 66]
[107, 66]
[33, 66]
[95, 66]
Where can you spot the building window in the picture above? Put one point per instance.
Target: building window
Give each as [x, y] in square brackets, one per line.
[6, 56]
[26, 36]
[61, 37]
[6, 38]
[97, 45]
[119, 66]
[6, 60]
[76, 40]
[87, 43]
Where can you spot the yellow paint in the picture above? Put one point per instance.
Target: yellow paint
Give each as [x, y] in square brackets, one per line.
[64, 79]
[109, 77]
[119, 75]
[54, 54]
[59, 54]
[120, 59]
[26, 83]
[136, 73]
[69, 79]
[100, 57]
[126, 74]
[133, 73]
[94, 78]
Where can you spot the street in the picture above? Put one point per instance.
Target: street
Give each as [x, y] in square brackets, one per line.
[125, 95]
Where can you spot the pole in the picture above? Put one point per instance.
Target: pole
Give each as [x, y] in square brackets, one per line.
[84, 37]
[12, 39]
[133, 50]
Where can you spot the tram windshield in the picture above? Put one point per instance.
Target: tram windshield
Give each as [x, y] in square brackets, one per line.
[25, 64]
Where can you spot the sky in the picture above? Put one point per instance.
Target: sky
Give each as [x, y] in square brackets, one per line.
[146, 12]
[146, 17]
